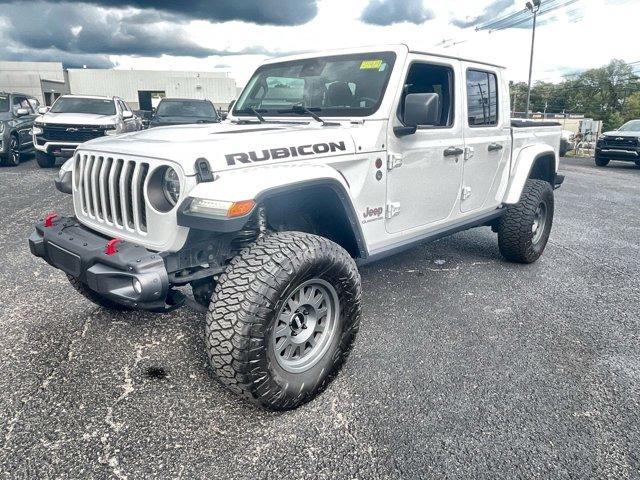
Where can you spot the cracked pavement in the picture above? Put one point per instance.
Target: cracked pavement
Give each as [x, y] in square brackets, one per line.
[465, 366]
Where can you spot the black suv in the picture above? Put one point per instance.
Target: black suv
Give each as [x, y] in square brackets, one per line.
[182, 111]
[17, 113]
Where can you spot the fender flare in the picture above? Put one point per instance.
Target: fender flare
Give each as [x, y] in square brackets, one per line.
[262, 183]
[523, 167]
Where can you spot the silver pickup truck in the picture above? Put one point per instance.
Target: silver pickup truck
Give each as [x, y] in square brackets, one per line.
[75, 119]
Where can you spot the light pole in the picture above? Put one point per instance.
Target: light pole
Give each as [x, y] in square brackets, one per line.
[533, 7]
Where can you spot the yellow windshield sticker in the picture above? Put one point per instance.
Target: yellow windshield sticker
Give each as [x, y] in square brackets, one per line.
[371, 65]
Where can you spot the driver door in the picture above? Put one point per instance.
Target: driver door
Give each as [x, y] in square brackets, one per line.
[425, 168]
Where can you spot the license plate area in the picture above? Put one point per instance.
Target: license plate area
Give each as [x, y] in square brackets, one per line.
[64, 259]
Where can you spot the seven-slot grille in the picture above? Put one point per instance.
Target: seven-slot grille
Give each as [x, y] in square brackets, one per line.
[71, 133]
[111, 190]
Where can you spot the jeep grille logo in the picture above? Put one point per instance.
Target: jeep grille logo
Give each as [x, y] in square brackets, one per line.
[71, 129]
[285, 152]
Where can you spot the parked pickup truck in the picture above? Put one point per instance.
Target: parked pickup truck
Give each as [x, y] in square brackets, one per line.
[326, 162]
[17, 112]
[183, 111]
[622, 144]
[74, 119]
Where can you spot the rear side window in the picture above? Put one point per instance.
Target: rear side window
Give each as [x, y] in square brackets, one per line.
[482, 98]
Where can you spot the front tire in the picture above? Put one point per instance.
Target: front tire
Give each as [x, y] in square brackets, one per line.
[95, 297]
[45, 160]
[12, 158]
[283, 319]
[524, 229]
[602, 162]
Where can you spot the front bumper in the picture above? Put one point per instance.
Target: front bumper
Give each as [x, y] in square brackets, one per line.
[59, 149]
[619, 153]
[80, 252]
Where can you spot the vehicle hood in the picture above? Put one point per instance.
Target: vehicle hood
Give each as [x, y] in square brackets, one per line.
[231, 146]
[615, 133]
[179, 120]
[76, 119]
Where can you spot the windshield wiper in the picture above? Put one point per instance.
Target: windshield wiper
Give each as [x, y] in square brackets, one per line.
[302, 110]
[254, 112]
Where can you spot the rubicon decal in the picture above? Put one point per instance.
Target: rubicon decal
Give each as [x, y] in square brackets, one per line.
[285, 152]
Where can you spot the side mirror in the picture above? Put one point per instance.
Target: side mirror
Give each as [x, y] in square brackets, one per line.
[43, 110]
[126, 115]
[420, 109]
[21, 112]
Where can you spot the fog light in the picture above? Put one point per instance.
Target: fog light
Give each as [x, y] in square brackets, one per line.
[137, 286]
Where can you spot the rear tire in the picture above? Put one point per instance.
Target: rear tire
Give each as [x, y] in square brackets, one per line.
[45, 160]
[524, 229]
[283, 319]
[95, 297]
[602, 162]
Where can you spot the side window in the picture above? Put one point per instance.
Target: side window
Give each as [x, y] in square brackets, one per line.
[125, 107]
[21, 102]
[426, 78]
[34, 104]
[482, 98]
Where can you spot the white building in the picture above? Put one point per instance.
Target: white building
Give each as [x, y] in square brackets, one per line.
[142, 89]
[44, 80]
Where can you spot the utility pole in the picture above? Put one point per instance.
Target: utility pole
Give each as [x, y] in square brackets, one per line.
[533, 7]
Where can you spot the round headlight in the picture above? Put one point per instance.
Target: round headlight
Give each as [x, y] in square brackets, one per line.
[171, 185]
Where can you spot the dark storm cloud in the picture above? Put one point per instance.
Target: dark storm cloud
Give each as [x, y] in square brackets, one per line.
[87, 35]
[69, 60]
[492, 11]
[387, 12]
[262, 12]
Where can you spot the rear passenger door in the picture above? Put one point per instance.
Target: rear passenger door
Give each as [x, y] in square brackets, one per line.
[487, 134]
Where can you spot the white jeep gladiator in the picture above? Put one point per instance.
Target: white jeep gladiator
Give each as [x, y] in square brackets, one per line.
[326, 161]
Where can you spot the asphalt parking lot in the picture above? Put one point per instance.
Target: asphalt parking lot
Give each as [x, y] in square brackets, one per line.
[465, 366]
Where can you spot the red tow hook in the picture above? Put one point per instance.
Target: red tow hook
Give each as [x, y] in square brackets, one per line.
[48, 220]
[112, 246]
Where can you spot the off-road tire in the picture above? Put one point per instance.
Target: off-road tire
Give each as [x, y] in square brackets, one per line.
[45, 160]
[250, 295]
[515, 230]
[95, 297]
[602, 162]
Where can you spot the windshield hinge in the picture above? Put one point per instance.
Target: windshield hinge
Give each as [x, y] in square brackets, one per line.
[394, 160]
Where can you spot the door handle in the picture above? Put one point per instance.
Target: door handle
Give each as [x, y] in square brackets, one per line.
[453, 152]
[493, 147]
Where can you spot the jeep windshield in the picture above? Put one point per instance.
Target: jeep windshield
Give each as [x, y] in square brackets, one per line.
[336, 86]
[4, 103]
[186, 108]
[632, 126]
[95, 106]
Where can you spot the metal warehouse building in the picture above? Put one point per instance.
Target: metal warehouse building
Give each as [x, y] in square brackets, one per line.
[44, 80]
[142, 89]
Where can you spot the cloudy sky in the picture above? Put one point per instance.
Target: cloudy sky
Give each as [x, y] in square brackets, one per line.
[235, 35]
